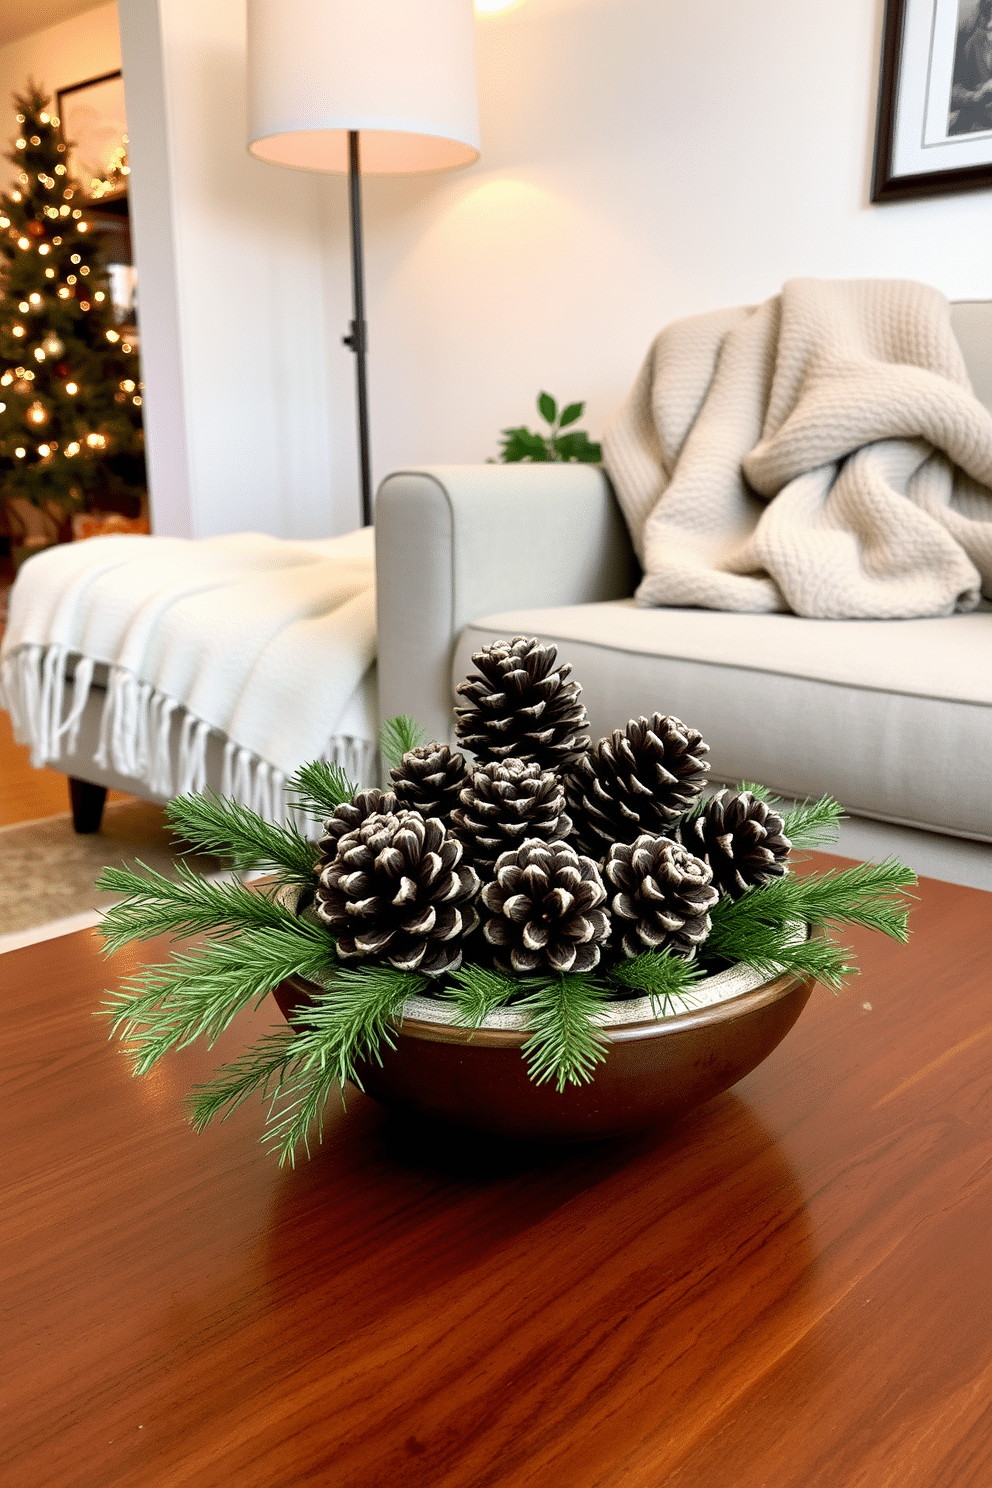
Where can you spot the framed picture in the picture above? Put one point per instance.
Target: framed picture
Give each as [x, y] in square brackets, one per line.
[934, 130]
[94, 126]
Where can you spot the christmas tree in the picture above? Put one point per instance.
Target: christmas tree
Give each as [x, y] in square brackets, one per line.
[70, 396]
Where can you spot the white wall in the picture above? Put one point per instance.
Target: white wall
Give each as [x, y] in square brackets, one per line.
[231, 267]
[642, 159]
[58, 56]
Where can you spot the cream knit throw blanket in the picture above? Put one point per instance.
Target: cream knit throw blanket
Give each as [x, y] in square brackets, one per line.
[821, 453]
[261, 640]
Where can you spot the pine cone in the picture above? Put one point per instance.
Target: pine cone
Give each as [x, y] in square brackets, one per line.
[395, 890]
[352, 814]
[641, 779]
[521, 705]
[544, 909]
[662, 896]
[428, 779]
[741, 838]
[504, 804]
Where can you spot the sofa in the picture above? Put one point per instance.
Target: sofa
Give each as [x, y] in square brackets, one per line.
[893, 718]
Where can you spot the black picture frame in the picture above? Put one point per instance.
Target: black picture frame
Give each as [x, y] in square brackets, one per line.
[79, 91]
[901, 90]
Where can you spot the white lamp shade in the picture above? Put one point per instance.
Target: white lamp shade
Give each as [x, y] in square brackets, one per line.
[401, 72]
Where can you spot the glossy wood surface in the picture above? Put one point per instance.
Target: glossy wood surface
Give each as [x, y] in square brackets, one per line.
[789, 1289]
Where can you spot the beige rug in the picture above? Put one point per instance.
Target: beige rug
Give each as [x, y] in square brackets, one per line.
[47, 872]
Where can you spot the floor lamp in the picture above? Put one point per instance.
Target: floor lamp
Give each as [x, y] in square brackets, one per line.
[373, 87]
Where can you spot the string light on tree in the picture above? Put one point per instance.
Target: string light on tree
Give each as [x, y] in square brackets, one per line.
[63, 438]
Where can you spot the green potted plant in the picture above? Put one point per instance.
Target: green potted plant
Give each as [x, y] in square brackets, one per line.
[522, 443]
[559, 938]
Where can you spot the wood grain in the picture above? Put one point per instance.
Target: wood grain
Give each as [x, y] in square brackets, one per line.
[789, 1289]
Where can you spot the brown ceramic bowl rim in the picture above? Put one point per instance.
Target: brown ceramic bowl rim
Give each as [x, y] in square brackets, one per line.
[727, 1010]
[731, 1008]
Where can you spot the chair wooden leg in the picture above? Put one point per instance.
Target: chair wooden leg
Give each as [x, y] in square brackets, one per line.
[87, 804]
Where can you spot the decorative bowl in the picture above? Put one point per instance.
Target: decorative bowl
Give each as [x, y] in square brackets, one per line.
[656, 1068]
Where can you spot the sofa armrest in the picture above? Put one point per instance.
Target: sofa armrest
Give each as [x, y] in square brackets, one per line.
[456, 542]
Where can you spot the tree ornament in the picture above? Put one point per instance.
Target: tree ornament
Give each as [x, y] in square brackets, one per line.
[504, 804]
[741, 838]
[520, 704]
[396, 890]
[661, 896]
[351, 815]
[544, 910]
[428, 779]
[641, 779]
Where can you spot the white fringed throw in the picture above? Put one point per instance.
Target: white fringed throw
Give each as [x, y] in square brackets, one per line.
[821, 453]
[263, 640]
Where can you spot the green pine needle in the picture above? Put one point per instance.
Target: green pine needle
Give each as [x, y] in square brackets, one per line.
[814, 823]
[349, 1021]
[268, 1060]
[759, 792]
[243, 837]
[565, 1045]
[478, 991]
[664, 978]
[398, 736]
[755, 929]
[187, 905]
[320, 788]
[197, 993]
[774, 950]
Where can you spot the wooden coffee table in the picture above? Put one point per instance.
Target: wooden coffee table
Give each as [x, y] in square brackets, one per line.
[790, 1289]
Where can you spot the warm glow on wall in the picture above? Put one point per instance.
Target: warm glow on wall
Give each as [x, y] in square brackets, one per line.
[490, 7]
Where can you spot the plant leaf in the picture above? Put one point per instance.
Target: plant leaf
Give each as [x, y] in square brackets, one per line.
[547, 407]
[577, 446]
[570, 414]
[523, 444]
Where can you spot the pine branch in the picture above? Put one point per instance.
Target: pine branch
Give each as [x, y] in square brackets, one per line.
[349, 1021]
[871, 895]
[758, 928]
[320, 789]
[478, 991]
[398, 736]
[232, 831]
[269, 1059]
[564, 1043]
[664, 978]
[814, 823]
[188, 905]
[774, 950]
[196, 994]
[759, 792]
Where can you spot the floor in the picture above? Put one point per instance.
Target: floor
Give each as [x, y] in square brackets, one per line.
[26, 794]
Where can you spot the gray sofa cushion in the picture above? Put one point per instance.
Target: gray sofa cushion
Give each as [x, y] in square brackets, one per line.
[894, 718]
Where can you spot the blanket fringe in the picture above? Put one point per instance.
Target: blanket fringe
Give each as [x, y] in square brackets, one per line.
[135, 737]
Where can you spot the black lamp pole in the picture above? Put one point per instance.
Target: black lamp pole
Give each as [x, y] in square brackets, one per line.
[358, 339]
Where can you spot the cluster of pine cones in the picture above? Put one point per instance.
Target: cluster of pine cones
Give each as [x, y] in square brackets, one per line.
[550, 852]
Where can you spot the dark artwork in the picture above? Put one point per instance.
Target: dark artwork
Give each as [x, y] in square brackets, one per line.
[971, 87]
